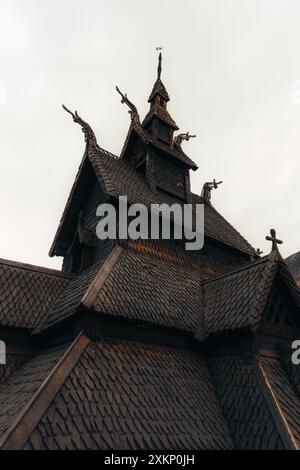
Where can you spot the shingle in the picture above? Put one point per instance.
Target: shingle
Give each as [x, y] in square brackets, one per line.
[171, 152]
[69, 301]
[117, 177]
[244, 405]
[159, 89]
[160, 113]
[138, 287]
[232, 301]
[237, 299]
[27, 292]
[174, 408]
[20, 387]
[284, 394]
[146, 289]
[120, 178]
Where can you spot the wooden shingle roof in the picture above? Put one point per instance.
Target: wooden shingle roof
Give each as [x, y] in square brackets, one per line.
[159, 89]
[117, 177]
[163, 397]
[27, 293]
[162, 114]
[135, 287]
[237, 299]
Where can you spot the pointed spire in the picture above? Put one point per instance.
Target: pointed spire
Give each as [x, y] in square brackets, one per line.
[159, 66]
[159, 88]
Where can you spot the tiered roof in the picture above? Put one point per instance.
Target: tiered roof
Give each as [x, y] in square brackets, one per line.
[149, 347]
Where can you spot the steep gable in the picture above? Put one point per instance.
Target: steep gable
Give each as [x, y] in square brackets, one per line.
[244, 298]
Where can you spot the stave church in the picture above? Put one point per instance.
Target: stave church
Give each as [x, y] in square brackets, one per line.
[141, 344]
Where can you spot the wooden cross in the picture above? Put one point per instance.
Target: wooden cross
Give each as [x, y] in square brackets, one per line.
[274, 240]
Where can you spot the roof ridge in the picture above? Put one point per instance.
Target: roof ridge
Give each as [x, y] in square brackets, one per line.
[162, 114]
[36, 268]
[289, 279]
[106, 152]
[263, 290]
[276, 403]
[43, 324]
[100, 278]
[26, 421]
[237, 270]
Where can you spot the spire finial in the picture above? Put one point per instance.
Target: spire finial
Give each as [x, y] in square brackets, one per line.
[275, 241]
[159, 62]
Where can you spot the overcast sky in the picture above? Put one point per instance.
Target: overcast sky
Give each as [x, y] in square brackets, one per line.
[231, 67]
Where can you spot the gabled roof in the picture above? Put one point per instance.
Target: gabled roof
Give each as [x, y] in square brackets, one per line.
[27, 293]
[117, 177]
[150, 290]
[112, 394]
[238, 299]
[162, 114]
[168, 151]
[159, 89]
[134, 286]
[84, 175]
[68, 303]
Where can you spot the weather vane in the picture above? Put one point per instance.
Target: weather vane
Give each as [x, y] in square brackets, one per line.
[159, 48]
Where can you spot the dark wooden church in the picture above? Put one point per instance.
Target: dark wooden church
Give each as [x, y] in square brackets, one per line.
[140, 344]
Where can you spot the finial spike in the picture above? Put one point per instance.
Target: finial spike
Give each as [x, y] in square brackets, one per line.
[159, 48]
[159, 66]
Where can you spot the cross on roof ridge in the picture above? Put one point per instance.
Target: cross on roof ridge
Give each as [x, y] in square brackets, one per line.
[275, 241]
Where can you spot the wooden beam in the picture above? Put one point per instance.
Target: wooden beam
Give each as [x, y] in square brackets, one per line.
[89, 297]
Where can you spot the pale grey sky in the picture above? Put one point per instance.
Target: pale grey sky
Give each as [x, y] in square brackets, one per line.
[231, 68]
